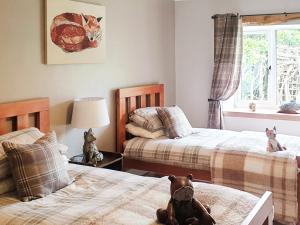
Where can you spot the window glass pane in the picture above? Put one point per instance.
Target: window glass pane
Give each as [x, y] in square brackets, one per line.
[255, 68]
[288, 62]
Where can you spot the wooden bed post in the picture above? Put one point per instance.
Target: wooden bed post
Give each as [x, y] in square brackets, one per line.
[121, 121]
[129, 99]
[262, 213]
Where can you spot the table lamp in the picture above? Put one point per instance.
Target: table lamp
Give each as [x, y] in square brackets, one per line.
[90, 113]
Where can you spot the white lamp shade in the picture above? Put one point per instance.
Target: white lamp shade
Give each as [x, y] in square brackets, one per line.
[90, 113]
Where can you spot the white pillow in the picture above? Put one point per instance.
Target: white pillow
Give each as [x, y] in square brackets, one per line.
[63, 149]
[141, 132]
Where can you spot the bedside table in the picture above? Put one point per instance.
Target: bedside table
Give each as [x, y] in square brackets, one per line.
[111, 160]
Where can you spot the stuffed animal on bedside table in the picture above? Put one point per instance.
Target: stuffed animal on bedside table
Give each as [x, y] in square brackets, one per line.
[183, 208]
[273, 144]
[91, 154]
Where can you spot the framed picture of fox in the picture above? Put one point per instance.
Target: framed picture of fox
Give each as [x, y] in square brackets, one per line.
[75, 32]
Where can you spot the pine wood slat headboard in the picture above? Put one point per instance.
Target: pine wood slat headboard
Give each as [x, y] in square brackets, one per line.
[19, 113]
[129, 99]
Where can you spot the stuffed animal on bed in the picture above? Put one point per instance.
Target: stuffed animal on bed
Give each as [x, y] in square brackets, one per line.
[273, 144]
[183, 208]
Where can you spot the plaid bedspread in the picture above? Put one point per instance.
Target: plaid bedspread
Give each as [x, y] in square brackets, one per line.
[257, 173]
[235, 159]
[193, 151]
[101, 197]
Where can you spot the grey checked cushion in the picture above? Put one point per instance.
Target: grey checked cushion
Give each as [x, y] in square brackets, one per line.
[175, 122]
[25, 136]
[38, 169]
[147, 118]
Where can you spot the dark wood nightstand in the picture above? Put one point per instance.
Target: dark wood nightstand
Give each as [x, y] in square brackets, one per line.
[111, 160]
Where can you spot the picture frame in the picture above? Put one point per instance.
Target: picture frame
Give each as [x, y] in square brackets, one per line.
[75, 32]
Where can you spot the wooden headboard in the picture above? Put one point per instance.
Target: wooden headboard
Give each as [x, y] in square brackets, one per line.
[129, 99]
[19, 113]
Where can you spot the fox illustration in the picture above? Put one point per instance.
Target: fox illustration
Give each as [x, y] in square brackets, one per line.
[74, 32]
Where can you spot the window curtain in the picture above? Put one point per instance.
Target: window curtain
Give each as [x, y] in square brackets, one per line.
[227, 65]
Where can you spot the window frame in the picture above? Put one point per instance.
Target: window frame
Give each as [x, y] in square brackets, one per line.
[273, 98]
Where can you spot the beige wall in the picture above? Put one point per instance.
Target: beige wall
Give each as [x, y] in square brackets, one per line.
[140, 50]
[194, 57]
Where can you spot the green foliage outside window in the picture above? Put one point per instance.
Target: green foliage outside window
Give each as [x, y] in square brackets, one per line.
[288, 64]
[256, 70]
[255, 67]
[288, 38]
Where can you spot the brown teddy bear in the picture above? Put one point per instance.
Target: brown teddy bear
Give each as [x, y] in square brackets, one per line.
[183, 208]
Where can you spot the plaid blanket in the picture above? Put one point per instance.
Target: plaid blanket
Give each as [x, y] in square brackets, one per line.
[101, 197]
[257, 173]
[192, 151]
[235, 159]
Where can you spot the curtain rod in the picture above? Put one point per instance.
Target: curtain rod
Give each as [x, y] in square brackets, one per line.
[271, 14]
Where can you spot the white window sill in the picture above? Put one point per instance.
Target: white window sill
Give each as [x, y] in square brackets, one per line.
[261, 114]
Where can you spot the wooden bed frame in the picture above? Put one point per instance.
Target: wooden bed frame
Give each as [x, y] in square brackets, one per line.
[19, 112]
[129, 99]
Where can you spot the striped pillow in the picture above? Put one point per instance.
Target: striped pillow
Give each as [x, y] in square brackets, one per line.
[175, 121]
[38, 169]
[147, 118]
[25, 136]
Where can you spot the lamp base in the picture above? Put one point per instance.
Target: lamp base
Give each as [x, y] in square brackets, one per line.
[91, 154]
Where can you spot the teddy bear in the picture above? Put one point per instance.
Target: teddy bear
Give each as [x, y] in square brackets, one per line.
[183, 208]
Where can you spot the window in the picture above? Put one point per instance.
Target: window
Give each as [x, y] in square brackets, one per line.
[271, 64]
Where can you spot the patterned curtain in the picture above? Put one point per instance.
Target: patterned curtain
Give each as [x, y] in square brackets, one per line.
[227, 65]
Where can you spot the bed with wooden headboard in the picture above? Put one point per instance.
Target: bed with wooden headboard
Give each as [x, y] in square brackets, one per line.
[17, 115]
[127, 100]
[35, 113]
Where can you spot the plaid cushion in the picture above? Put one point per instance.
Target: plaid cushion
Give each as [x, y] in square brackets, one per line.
[175, 122]
[4, 168]
[147, 118]
[25, 136]
[7, 185]
[38, 169]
